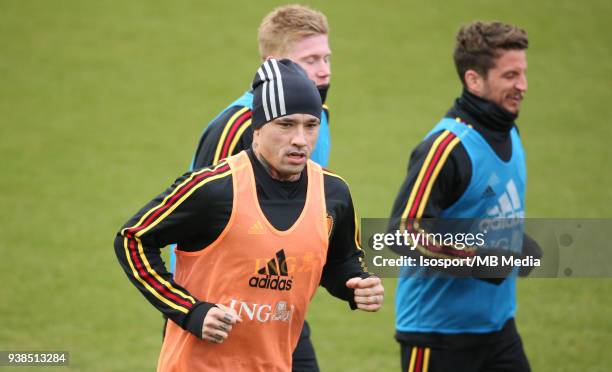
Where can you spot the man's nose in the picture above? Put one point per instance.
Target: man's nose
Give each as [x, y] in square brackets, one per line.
[522, 83]
[323, 71]
[299, 137]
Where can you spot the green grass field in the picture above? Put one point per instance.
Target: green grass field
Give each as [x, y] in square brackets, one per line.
[102, 104]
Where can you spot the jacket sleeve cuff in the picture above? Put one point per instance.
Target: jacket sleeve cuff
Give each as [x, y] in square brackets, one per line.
[195, 318]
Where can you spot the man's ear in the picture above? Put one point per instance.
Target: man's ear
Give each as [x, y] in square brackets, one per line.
[256, 137]
[474, 82]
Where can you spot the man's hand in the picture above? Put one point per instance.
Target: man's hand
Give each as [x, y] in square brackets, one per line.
[369, 292]
[218, 323]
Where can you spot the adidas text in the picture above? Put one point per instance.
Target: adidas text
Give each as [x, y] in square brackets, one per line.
[271, 282]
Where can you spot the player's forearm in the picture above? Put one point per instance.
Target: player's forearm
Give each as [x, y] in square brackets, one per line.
[164, 301]
[146, 271]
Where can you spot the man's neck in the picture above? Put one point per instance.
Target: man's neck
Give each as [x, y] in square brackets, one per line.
[486, 112]
[273, 173]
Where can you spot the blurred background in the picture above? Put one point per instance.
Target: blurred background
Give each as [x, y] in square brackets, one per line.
[102, 104]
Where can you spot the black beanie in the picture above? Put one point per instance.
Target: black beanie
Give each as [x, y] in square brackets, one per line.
[281, 88]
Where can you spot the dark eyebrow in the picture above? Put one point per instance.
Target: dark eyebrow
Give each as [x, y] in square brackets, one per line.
[286, 120]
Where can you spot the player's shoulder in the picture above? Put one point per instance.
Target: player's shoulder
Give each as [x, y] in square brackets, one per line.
[214, 180]
[439, 141]
[334, 184]
[230, 116]
[440, 149]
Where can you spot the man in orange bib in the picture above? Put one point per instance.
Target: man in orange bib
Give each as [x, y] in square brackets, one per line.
[256, 235]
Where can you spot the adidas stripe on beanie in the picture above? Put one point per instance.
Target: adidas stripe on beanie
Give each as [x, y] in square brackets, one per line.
[280, 88]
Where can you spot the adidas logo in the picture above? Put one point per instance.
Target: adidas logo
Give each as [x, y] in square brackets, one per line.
[273, 275]
[508, 204]
[256, 229]
[488, 192]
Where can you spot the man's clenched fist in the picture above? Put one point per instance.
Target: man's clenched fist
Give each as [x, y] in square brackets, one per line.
[369, 292]
[218, 323]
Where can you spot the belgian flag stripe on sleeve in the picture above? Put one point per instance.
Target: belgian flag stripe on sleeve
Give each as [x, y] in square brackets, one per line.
[228, 131]
[154, 286]
[451, 143]
[141, 268]
[419, 195]
[233, 132]
[243, 126]
[169, 202]
[428, 173]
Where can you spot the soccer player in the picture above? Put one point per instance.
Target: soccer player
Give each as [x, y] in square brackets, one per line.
[300, 34]
[470, 165]
[257, 234]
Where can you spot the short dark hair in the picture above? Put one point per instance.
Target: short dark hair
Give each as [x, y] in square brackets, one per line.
[479, 44]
